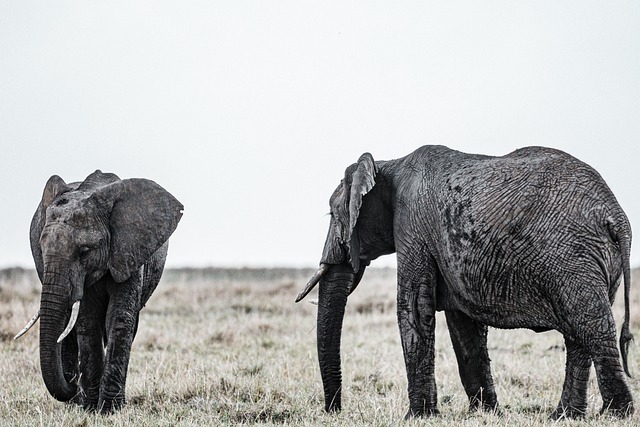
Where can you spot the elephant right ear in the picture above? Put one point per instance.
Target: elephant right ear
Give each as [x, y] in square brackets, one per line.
[54, 187]
[362, 181]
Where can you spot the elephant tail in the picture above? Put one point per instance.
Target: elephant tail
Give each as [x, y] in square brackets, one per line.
[625, 335]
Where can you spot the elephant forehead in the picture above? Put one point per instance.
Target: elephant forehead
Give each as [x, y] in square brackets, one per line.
[73, 210]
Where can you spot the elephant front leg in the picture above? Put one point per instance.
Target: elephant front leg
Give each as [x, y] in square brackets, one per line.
[573, 402]
[91, 363]
[90, 344]
[469, 339]
[69, 353]
[416, 318]
[114, 378]
[122, 318]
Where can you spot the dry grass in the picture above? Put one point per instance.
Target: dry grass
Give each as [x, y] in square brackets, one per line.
[229, 347]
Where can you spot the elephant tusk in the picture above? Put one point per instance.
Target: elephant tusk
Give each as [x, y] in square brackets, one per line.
[313, 282]
[32, 322]
[72, 321]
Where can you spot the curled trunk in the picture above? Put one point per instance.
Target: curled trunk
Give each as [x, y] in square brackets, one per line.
[332, 299]
[53, 318]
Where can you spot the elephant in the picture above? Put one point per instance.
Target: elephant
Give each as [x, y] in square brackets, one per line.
[533, 239]
[99, 248]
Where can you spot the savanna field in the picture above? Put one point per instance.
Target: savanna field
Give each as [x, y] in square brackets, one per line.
[230, 347]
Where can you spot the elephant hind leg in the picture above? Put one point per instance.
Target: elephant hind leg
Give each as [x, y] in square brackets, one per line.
[594, 328]
[573, 402]
[616, 397]
[469, 339]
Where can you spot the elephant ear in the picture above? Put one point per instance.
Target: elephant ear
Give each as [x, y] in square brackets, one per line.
[54, 187]
[362, 181]
[142, 217]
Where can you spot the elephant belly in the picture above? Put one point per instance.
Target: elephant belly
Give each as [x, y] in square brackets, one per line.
[517, 307]
[510, 317]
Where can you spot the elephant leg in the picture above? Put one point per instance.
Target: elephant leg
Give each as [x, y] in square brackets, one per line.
[595, 329]
[121, 321]
[69, 352]
[573, 402]
[416, 318]
[91, 344]
[469, 339]
[616, 396]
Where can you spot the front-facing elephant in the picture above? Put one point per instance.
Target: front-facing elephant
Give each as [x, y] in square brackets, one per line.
[534, 239]
[99, 248]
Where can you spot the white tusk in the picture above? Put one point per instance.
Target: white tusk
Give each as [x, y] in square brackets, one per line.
[72, 321]
[313, 281]
[32, 322]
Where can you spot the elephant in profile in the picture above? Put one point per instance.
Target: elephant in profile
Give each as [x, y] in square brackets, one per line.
[534, 239]
[99, 248]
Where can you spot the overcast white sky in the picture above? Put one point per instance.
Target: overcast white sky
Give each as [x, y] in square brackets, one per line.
[249, 111]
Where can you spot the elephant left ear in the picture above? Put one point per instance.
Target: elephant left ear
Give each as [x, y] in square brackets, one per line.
[362, 181]
[142, 217]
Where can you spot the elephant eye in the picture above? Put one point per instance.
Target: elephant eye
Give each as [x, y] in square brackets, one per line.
[84, 251]
[62, 201]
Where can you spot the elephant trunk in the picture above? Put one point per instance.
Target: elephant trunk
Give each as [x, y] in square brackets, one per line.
[53, 318]
[332, 299]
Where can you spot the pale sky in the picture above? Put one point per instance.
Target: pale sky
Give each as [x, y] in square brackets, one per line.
[249, 111]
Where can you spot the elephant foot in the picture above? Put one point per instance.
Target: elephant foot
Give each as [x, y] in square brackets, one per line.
[88, 401]
[487, 405]
[620, 410]
[333, 407]
[564, 412]
[489, 409]
[111, 406]
[421, 413]
[76, 400]
[90, 407]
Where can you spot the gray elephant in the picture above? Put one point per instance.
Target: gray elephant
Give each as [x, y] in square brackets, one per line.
[534, 239]
[99, 248]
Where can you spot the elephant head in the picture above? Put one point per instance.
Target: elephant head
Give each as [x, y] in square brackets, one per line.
[80, 233]
[361, 230]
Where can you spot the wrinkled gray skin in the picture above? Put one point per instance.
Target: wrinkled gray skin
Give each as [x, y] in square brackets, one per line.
[534, 239]
[102, 242]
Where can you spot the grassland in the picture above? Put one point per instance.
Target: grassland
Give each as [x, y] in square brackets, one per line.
[229, 347]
